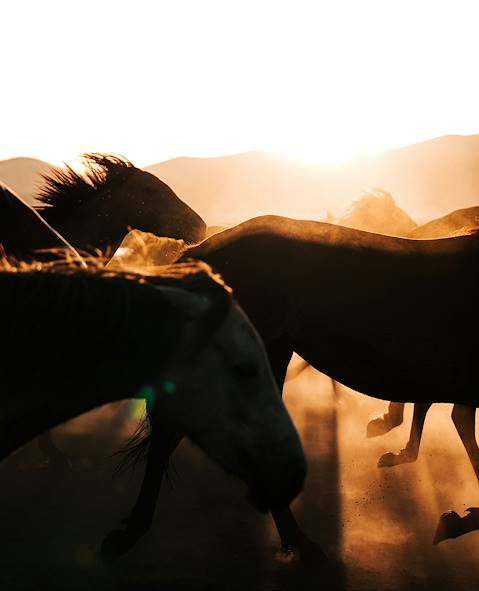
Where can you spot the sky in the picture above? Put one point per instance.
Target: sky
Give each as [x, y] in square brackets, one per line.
[158, 79]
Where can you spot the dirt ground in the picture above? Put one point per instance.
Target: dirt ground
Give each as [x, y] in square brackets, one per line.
[377, 523]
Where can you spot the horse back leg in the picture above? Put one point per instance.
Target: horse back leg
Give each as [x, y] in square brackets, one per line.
[386, 422]
[410, 452]
[464, 419]
[452, 525]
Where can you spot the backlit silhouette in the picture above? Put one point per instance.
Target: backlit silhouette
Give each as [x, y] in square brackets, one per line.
[177, 340]
[96, 209]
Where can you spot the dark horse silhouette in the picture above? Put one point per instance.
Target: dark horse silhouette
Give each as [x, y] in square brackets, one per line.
[170, 334]
[391, 317]
[94, 210]
[24, 234]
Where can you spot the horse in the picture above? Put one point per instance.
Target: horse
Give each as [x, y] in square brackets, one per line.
[95, 209]
[24, 234]
[446, 225]
[96, 336]
[376, 211]
[391, 317]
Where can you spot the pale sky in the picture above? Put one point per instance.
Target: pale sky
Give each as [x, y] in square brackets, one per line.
[157, 79]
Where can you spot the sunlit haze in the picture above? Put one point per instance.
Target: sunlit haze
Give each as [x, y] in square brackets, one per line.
[320, 81]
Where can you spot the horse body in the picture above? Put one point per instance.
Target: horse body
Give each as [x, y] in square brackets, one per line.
[383, 303]
[169, 336]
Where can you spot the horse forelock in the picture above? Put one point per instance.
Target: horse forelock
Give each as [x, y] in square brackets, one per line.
[67, 189]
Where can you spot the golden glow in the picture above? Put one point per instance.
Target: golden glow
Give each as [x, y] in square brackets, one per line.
[323, 81]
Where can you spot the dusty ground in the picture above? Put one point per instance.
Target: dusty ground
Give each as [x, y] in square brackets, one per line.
[379, 522]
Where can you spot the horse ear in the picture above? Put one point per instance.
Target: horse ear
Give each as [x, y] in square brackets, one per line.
[192, 304]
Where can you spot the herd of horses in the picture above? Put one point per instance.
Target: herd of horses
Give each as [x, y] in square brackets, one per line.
[395, 318]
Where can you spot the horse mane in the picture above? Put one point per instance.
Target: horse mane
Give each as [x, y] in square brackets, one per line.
[191, 275]
[66, 189]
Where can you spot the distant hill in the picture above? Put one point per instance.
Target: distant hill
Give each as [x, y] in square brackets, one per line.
[229, 189]
[23, 175]
[427, 180]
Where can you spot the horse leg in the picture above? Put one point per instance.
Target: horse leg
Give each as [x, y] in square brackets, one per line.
[464, 419]
[53, 457]
[410, 452]
[163, 442]
[451, 525]
[383, 424]
[293, 541]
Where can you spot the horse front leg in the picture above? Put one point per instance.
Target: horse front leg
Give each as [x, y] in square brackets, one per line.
[295, 544]
[163, 442]
[386, 422]
[410, 452]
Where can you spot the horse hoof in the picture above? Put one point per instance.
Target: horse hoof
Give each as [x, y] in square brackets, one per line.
[390, 459]
[288, 555]
[451, 525]
[378, 426]
[117, 543]
[448, 525]
[305, 554]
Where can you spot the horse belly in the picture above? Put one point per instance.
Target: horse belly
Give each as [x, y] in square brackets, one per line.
[413, 372]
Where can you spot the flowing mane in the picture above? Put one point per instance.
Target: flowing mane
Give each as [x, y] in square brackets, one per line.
[67, 190]
[192, 275]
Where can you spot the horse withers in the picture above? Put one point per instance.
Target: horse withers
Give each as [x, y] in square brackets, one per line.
[97, 336]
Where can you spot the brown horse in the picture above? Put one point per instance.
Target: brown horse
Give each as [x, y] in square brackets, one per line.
[95, 209]
[394, 318]
[448, 224]
[96, 336]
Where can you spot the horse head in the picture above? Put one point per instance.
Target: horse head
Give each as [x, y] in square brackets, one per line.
[221, 388]
[95, 209]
